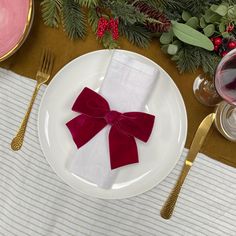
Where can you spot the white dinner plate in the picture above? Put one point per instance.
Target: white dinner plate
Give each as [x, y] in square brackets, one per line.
[157, 157]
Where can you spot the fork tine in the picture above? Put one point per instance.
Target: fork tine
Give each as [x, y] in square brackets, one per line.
[45, 61]
[50, 64]
[41, 60]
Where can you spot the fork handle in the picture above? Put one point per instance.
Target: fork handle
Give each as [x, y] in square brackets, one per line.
[168, 207]
[17, 141]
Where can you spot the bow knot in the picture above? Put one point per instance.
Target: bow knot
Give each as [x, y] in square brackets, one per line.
[93, 118]
[112, 117]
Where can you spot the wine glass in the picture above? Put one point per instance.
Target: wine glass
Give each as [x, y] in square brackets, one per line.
[222, 86]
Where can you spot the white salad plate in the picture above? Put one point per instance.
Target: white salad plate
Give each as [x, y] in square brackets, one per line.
[157, 157]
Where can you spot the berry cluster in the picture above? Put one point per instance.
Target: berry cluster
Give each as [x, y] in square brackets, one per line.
[105, 25]
[223, 45]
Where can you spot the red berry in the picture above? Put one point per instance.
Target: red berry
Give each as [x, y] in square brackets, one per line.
[102, 27]
[217, 41]
[216, 48]
[224, 53]
[230, 28]
[113, 25]
[232, 44]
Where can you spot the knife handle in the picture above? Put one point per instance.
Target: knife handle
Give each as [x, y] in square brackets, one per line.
[168, 207]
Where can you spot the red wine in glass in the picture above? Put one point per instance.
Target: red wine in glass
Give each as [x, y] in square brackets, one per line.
[225, 84]
[225, 78]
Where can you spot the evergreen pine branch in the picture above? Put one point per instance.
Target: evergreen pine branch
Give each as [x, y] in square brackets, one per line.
[209, 61]
[197, 7]
[230, 2]
[125, 10]
[152, 3]
[188, 58]
[88, 3]
[51, 12]
[137, 34]
[93, 19]
[170, 4]
[73, 19]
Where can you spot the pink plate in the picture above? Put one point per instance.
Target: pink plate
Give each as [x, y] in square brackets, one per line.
[15, 18]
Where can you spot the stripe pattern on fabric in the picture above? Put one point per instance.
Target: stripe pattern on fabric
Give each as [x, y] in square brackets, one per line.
[34, 201]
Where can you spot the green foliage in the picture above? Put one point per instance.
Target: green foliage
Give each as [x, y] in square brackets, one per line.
[136, 34]
[93, 19]
[169, 4]
[87, 3]
[187, 59]
[108, 42]
[190, 58]
[51, 12]
[73, 19]
[209, 61]
[127, 12]
[197, 7]
[193, 22]
[188, 35]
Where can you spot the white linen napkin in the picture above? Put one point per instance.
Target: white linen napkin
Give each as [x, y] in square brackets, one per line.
[127, 86]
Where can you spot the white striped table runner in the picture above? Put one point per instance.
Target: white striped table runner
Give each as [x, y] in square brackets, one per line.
[34, 201]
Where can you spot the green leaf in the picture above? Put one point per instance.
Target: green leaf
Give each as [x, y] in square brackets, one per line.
[211, 17]
[186, 15]
[214, 7]
[225, 35]
[172, 49]
[164, 48]
[221, 10]
[202, 22]
[232, 12]
[191, 36]
[209, 30]
[222, 27]
[193, 22]
[177, 43]
[166, 38]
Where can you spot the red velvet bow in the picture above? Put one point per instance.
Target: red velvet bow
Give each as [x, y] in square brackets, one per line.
[96, 114]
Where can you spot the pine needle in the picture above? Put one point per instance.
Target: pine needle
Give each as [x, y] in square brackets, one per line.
[93, 19]
[187, 59]
[136, 34]
[127, 12]
[87, 3]
[209, 61]
[73, 19]
[51, 12]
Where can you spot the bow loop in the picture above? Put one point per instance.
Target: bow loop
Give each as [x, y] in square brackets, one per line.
[137, 124]
[91, 104]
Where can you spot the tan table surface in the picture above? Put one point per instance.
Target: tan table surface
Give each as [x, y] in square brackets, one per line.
[25, 62]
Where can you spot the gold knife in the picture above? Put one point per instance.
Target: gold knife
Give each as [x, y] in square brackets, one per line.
[198, 140]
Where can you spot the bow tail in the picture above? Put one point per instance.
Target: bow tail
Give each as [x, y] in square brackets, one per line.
[123, 148]
[83, 128]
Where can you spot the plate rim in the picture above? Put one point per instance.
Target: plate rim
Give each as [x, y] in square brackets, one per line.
[185, 122]
[24, 35]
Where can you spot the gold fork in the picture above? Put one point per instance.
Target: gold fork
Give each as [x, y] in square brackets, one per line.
[42, 76]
